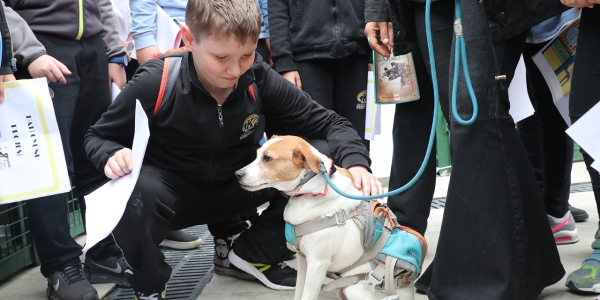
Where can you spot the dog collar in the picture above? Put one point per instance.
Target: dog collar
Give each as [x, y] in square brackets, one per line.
[311, 184]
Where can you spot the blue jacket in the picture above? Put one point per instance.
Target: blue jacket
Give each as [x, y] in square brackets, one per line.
[143, 15]
[263, 8]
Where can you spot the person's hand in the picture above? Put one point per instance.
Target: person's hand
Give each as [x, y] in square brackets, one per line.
[148, 53]
[47, 66]
[3, 79]
[580, 3]
[294, 78]
[120, 164]
[378, 36]
[269, 59]
[365, 181]
[116, 74]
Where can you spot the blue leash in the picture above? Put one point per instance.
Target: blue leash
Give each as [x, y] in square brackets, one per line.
[459, 48]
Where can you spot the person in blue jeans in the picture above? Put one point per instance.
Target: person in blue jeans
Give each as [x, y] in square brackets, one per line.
[495, 241]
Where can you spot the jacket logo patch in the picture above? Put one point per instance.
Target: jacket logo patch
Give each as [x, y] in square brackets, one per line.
[249, 125]
[362, 100]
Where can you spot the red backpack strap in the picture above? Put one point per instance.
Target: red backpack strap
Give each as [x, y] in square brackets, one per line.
[167, 82]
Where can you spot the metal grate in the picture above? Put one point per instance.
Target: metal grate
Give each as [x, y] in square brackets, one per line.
[192, 269]
[575, 188]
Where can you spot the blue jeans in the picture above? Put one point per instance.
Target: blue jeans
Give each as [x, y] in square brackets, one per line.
[495, 241]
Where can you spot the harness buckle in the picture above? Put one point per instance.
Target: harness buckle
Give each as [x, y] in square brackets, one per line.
[372, 281]
[337, 220]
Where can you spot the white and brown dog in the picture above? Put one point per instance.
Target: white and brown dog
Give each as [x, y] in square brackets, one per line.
[327, 241]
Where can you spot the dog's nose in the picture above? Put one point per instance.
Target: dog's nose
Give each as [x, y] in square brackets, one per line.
[239, 174]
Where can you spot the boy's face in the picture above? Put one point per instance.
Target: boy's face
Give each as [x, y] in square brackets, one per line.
[219, 62]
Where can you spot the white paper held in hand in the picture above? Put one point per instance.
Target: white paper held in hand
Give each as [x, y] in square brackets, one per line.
[105, 206]
[586, 132]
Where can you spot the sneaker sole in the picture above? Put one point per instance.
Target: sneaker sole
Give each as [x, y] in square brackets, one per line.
[566, 237]
[244, 266]
[227, 271]
[571, 285]
[181, 245]
[51, 294]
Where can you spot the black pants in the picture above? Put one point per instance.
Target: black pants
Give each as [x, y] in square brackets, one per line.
[162, 200]
[548, 146]
[78, 104]
[339, 85]
[495, 242]
[586, 76]
[412, 126]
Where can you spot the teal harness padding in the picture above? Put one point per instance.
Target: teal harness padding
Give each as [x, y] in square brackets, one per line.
[402, 245]
[290, 234]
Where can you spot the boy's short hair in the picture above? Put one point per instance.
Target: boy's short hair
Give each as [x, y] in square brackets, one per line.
[224, 19]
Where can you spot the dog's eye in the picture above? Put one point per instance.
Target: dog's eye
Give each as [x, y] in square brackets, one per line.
[267, 158]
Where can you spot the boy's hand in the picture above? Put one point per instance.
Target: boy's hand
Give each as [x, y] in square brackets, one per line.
[47, 66]
[294, 78]
[120, 164]
[580, 3]
[116, 74]
[3, 79]
[378, 36]
[365, 181]
[146, 54]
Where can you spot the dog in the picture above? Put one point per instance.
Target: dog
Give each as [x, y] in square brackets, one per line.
[293, 166]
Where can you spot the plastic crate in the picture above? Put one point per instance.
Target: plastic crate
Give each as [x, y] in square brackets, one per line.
[16, 245]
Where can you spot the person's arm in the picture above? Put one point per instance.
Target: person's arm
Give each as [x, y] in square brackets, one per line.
[290, 111]
[115, 50]
[580, 3]
[377, 16]
[115, 129]
[6, 63]
[281, 49]
[143, 29]
[30, 53]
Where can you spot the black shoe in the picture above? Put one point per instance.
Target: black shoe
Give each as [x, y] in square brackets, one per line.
[579, 215]
[111, 269]
[278, 277]
[150, 296]
[222, 264]
[180, 240]
[70, 284]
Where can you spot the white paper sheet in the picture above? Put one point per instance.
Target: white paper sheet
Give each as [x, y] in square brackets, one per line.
[596, 165]
[586, 132]
[373, 113]
[520, 104]
[115, 91]
[168, 35]
[32, 161]
[106, 205]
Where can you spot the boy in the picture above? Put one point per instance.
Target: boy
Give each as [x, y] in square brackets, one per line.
[201, 135]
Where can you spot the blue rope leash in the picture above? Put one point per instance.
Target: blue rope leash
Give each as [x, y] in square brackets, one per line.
[459, 49]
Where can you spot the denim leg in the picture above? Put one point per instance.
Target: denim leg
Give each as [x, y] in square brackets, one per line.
[495, 239]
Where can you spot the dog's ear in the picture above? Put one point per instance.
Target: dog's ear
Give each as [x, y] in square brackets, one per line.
[305, 158]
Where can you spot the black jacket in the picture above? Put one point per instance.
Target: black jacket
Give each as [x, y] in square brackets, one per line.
[7, 64]
[506, 18]
[186, 137]
[309, 29]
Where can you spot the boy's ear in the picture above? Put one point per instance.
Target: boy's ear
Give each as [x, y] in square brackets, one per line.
[187, 36]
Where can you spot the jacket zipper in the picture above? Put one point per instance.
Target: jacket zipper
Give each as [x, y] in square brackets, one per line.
[336, 46]
[221, 124]
[80, 31]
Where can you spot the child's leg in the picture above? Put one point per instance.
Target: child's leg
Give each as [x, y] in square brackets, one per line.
[317, 80]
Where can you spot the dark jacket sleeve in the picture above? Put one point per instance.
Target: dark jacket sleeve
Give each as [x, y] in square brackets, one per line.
[377, 11]
[291, 111]
[279, 29]
[115, 129]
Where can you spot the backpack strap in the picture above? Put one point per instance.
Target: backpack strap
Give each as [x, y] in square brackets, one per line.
[167, 82]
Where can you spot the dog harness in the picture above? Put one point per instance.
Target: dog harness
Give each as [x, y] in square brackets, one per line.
[396, 253]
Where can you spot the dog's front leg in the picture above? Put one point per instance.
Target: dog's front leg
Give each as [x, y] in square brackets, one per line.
[315, 275]
[301, 260]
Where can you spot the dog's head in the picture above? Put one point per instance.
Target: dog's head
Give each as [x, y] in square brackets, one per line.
[281, 163]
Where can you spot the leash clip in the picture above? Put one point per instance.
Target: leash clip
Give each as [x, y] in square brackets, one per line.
[458, 28]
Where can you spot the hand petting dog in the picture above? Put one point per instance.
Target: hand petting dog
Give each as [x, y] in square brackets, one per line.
[365, 181]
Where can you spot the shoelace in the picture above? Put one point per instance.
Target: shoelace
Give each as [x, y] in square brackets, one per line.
[282, 265]
[149, 297]
[72, 274]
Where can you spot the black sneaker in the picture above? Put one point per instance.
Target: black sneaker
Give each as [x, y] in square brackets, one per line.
[70, 284]
[278, 277]
[111, 269]
[180, 240]
[579, 215]
[222, 264]
[150, 296]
